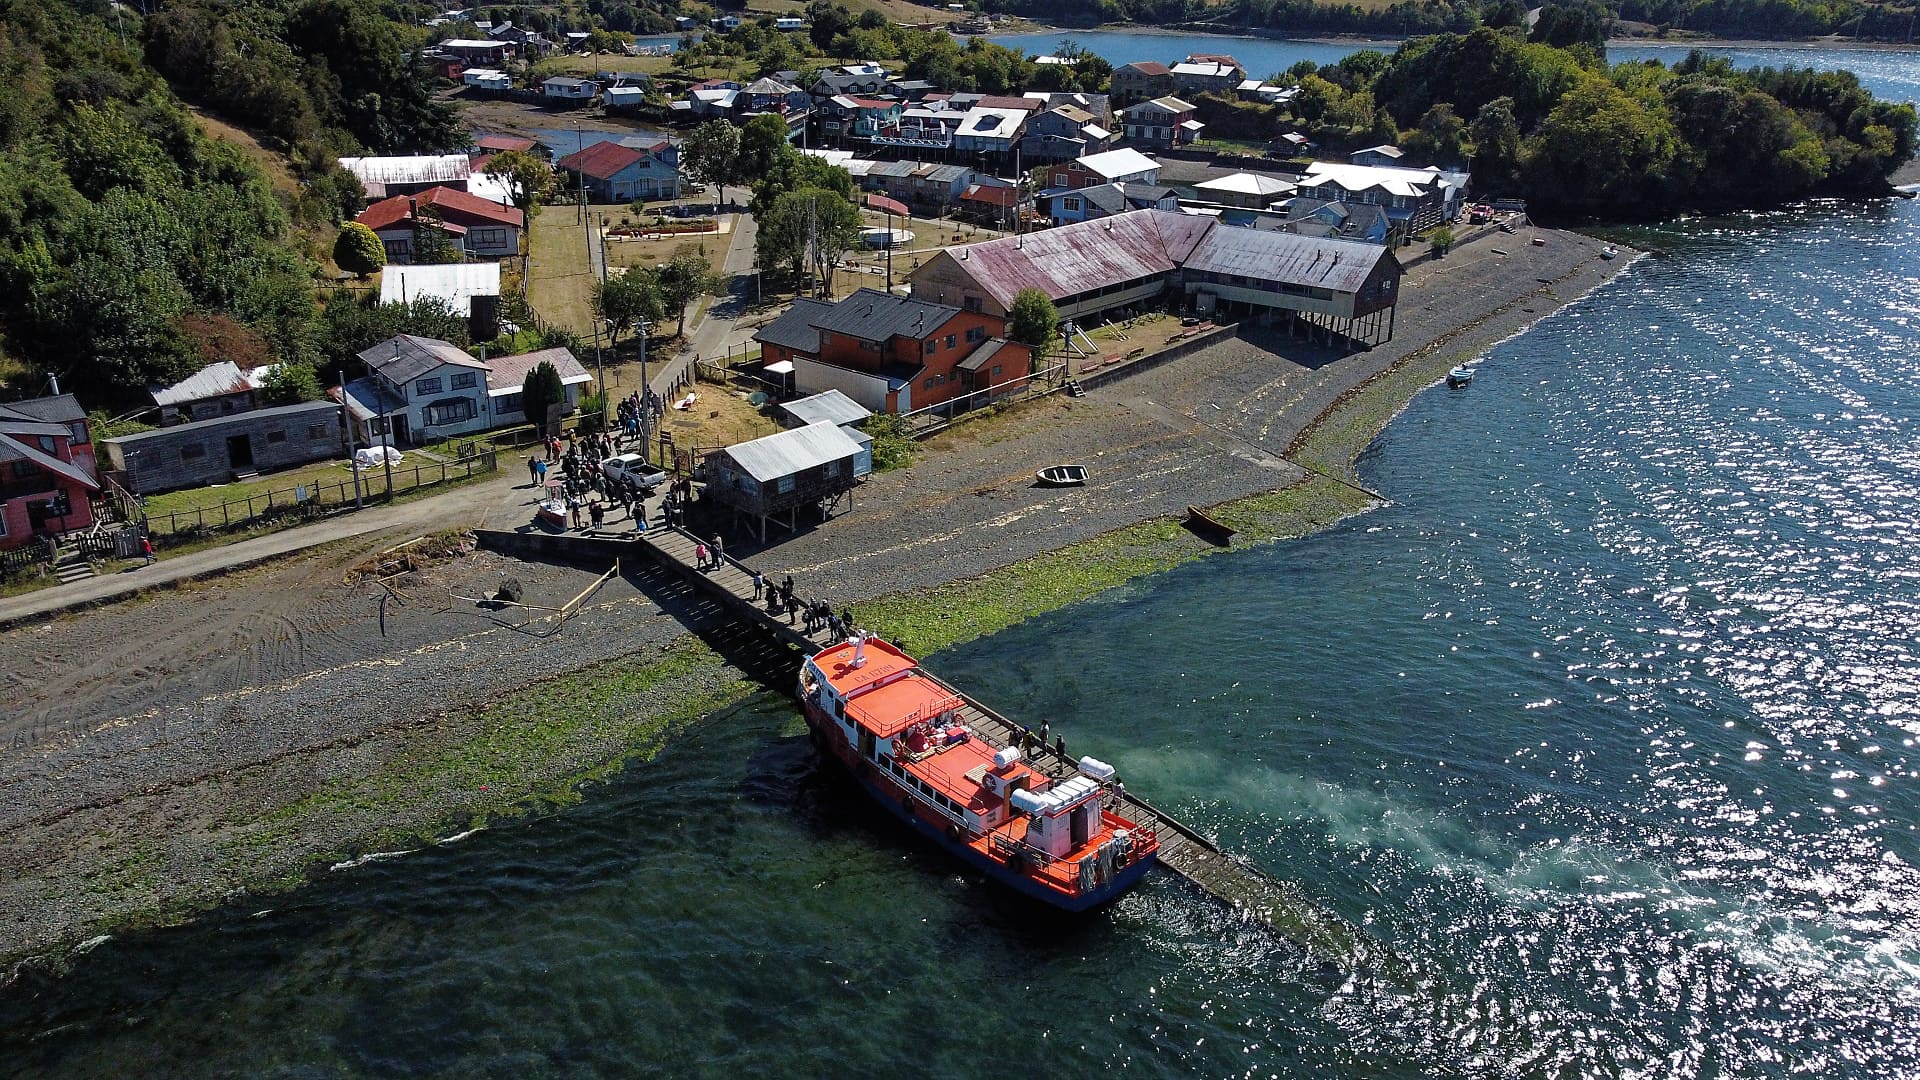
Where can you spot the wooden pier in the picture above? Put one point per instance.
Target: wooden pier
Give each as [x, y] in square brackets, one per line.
[1182, 850]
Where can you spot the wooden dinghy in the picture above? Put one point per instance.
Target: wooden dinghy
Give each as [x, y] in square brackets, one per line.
[1207, 528]
[1063, 475]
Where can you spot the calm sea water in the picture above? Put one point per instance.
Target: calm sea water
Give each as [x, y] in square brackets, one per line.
[1892, 73]
[1604, 729]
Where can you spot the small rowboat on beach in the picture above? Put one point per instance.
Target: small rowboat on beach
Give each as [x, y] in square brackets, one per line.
[1206, 528]
[1609, 252]
[1459, 377]
[1062, 475]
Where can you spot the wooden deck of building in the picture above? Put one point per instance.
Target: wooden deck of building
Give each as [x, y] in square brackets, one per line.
[1182, 850]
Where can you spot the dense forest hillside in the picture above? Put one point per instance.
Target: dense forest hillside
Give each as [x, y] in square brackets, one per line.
[133, 248]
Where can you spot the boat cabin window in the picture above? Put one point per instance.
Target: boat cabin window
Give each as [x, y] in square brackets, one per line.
[867, 745]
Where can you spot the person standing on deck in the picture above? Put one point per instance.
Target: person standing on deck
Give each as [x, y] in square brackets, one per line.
[700, 557]
[759, 583]
[719, 551]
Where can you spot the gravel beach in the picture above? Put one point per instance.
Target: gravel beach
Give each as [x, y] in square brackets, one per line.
[167, 755]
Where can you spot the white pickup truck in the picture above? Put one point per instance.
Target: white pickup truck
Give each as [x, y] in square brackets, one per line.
[633, 469]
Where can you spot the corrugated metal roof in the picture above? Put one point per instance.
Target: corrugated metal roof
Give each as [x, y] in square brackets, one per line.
[1289, 258]
[456, 283]
[794, 329]
[827, 407]
[403, 358]
[1084, 256]
[984, 354]
[871, 315]
[507, 374]
[1245, 183]
[1393, 180]
[214, 380]
[795, 450]
[426, 169]
[1122, 162]
[200, 426]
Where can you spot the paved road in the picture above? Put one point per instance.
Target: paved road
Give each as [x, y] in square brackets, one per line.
[717, 330]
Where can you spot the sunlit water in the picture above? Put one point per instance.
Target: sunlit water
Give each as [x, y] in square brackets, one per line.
[1893, 73]
[1603, 730]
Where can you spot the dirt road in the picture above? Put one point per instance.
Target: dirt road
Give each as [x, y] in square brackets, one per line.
[162, 754]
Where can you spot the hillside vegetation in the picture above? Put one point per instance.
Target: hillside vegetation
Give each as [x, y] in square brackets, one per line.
[133, 247]
[1578, 137]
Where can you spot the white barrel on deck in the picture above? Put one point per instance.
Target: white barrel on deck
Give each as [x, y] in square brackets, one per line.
[1005, 756]
[1094, 767]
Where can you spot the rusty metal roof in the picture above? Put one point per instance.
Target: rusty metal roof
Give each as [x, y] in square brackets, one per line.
[1290, 258]
[1083, 256]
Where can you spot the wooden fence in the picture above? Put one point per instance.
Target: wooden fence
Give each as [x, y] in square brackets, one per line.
[923, 423]
[312, 500]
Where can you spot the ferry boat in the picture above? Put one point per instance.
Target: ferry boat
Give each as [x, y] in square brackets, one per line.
[903, 735]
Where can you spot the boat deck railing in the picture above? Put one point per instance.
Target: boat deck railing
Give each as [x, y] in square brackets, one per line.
[1182, 849]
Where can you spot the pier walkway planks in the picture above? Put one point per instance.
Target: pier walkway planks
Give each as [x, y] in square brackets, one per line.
[1182, 850]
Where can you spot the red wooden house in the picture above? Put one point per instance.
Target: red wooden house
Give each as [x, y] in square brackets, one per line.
[47, 471]
[893, 353]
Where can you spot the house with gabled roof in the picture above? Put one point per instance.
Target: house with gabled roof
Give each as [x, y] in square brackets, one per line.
[1414, 199]
[1123, 166]
[383, 177]
[47, 469]
[427, 389]
[478, 226]
[1162, 123]
[615, 172]
[1142, 80]
[894, 353]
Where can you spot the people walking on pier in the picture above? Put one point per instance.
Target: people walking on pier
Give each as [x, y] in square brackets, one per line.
[719, 551]
[598, 512]
[759, 583]
[786, 589]
[700, 557]
[533, 474]
[573, 510]
[846, 615]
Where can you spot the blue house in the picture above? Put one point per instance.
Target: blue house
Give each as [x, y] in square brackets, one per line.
[614, 172]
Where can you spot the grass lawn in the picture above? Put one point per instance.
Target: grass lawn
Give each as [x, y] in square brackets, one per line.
[721, 417]
[559, 281]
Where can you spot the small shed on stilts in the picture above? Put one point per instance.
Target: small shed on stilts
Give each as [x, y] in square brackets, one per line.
[779, 475]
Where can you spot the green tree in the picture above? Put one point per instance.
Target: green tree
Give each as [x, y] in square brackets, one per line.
[711, 153]
[1032, 320]
[539, 393]
[1441, 138]
[628, 300]
[358, 250]
[684, 279]
[431, 243]
[1600, 148]
[807, 230]
[1495, 135]
[290, 383]
[527, 178]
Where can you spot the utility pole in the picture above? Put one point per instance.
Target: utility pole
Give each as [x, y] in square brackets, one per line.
[346, 417]
[599, 364]
[386, 426]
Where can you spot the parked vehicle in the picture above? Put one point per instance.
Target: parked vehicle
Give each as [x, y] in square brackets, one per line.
[633, 469]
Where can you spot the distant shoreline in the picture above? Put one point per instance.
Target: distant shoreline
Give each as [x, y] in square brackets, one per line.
[1363, 41]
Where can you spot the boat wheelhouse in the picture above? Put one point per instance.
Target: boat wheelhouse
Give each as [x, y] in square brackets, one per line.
[904, 735]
